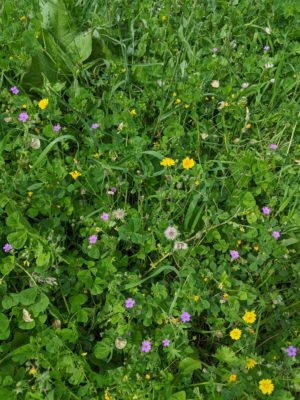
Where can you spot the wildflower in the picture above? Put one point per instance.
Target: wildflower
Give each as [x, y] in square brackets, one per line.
[235, 334]
[273, 146]
[250, 363]
[129, 303]
[171, 233]
[185, 317]
[75, 174]
[113, 189]
[276, 235]
[215, 84]
[232, 378]
[23, 18]
[248, 126]
[249, 317]
[266, 386]
[133, 112]
[166, 342]
[43, 104]
[26, 316]
[95, 125]
[268, 30]
[23, 117]
[35, 143]
[244, 85]
[107, 395]
[14, 90]
[148, 376]
[93, 239]
[266, 48]
[56, 324]
[120, 343]
[269, 65]
[24, 106]
[188, 163]
[291, 351]
[104, 216]
[167, 162]
[56, 128]
[146, 346]
[256, 247]
[97, 155]
[32, 371]
[121, 126]
[204, 136]
[7, 247]
[177, 101]
[186, 106]
[234, 254]
[266, 210]
[180, 246]
[214, 50]
[119, 213]
[196, 298]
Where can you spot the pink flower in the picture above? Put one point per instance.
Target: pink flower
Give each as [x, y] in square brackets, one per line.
[93, 239]
[166, 342]
[171, 233]
[276, 235]
[129, 303]
[266, 210]
[56, 128]
[7, 247]
[273, 146]
[185, 317]
[234, 254]
[95, 126]
[14, 90]
[146, 346]
[23, 117]
[104, 216]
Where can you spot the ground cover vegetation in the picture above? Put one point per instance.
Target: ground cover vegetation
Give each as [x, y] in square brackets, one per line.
[149, 201]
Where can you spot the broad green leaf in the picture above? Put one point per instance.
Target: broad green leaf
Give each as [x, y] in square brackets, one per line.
[4, 327]
[17, 239]
[188, 365]
[103, 349]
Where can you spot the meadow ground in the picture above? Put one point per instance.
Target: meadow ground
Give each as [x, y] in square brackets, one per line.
[150, 222]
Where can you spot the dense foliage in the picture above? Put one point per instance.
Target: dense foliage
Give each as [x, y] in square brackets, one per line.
[149, 200]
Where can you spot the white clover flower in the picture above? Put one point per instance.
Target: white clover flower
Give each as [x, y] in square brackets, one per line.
[121, 126]
[215, 84]
[119, 213]
[269, 65]
[180, 246]
[204, 136]
[26, 316]
[120, 343]
[268, 30]
[244, 85]
[35, 143]
[171, 233]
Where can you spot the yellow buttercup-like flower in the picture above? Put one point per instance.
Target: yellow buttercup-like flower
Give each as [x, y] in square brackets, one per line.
[133, 112]
[43, 104]
[177, 101]
[232, 378]
[147, 376]
[196, 298]
[250, 363]
[188, 163]
[107, 396]
[249, 317]
[167, 162]
[266, 386]
[32, 371]
[75, 174]
[235, 334]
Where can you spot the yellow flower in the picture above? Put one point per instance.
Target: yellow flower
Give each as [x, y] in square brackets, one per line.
[225, 295]
[97, 155]
[235, 334]
[174, 94]
[232, 378]
[26, 263]
[205, 279]
[256, 247]
[250, 363]
[23, 18]
[23, 106]
[29, 194]
[248, 126]
[107, 396]
[197, 183]
[249, 317]
[177, 101]
[167, 162]
[188, 163]
[43, 103]
[186, 106]
[266, 386]
[148, 376]
[133, 112]
[32, 371]
[75, 174]
[196, 298]
[163, 18]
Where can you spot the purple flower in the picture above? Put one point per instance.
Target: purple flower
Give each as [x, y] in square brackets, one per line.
[95, 126]
[14, 90]
[291, 351]
[185, 317]
[276, 235]
[129, 303]
[113, 189]
[166, 342]
[104, 216]
[266, 210]
[7, 247]
[146, 346]
[214, 50]
[56, 128]
[273, 146]
[23, 117]
[93, 239]
[266, 48]
[234, 254]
